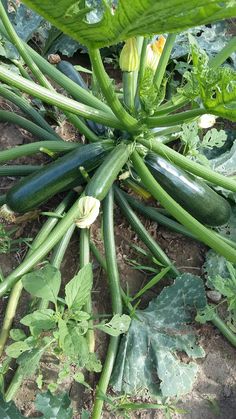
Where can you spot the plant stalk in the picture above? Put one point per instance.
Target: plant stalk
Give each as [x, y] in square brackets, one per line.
[225, 53]
[223, 328]
[155, 215]
[24, 105]
[59, 100]
[84, 260]
[32, 148]
[128, 89]
[13, 118]
[176, 119]
[18, 170]
[143, 234]
[164, 58]
[114, 285]
[105, 83]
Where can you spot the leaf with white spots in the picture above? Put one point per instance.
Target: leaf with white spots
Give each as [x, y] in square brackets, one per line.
[148, 355]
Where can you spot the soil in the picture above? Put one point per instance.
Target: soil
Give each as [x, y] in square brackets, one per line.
[214, 392]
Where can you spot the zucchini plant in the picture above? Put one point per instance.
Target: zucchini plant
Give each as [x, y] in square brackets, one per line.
[127, 134]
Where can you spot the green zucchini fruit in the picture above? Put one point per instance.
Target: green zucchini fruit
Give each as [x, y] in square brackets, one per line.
[107, 173]
[191, 193]
[33, 190]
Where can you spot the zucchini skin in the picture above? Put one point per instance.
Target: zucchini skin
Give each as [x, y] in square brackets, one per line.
[106, 174]
[191, 193]
[68, 70]
[33, 190]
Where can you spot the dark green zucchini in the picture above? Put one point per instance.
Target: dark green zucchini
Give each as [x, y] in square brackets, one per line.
[107, 173]
[68, 69]
[191, 193]
[33, 190]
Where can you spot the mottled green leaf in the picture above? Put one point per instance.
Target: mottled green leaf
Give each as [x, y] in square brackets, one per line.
[25, 21]
[115, 24]
[116, 326]
[147, 358]
[215, 265]
[44, 283]
[54, 406]
[9, 410]
[211, 39]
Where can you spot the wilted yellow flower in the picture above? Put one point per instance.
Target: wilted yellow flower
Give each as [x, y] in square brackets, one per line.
[154, 52]
[88, 211]
[129, 58]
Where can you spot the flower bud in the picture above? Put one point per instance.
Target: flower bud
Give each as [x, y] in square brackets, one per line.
[154, 52]
[129, 58]
[206, 121]
[88, 211]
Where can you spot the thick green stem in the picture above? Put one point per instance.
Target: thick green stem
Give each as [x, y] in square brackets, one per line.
[59, 100]
[128, 89]
[17, 289]
[177, 119]
[24, 105]
[164, 58]
[170, 107]
[18, 170]
[134, 221]
[105, 83]
[43, 249]
[29, 149]
[114, 285]
[40, 74]
[140, 41]
[155, 215]
[82, 127]
[223, 328]
[13, 118]
[196, 228]
[21, 68]
[76, 91]
[189, 165]
[142, 64]
[16, 41]
[225, 53]
[84, 260]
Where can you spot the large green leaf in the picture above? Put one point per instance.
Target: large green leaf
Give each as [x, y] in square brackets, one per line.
[129, 18]
[54, 406]
[44, 283]
[147, 359]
